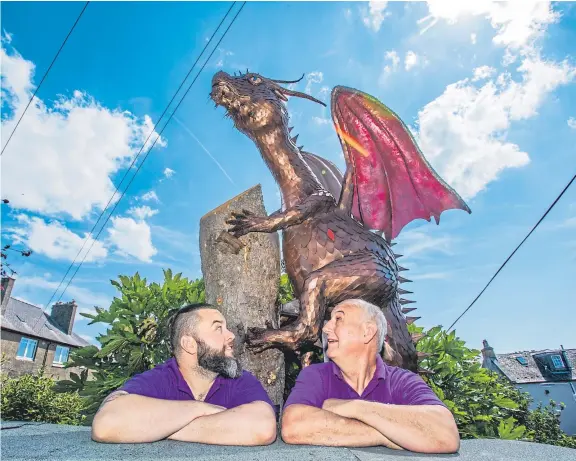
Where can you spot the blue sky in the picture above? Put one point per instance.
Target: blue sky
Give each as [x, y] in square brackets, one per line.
[488, 90]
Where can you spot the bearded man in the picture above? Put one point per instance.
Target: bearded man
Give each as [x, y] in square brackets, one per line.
[201, 394]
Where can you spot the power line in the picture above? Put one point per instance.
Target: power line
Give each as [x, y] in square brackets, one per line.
[45, 74]
[147, 153]
[517, 248]
[136, 158]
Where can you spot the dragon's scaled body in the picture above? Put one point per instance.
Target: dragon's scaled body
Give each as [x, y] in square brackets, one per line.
[328, 220]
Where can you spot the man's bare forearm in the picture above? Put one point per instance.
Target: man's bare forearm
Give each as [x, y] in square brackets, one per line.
[421, 428]
[250, 424]
[132, 418]
[306, 425]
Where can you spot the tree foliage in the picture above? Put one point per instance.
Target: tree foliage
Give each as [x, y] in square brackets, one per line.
[136, 339]
[33, 398]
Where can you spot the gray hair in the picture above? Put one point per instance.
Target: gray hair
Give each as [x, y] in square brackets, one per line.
[374, 314]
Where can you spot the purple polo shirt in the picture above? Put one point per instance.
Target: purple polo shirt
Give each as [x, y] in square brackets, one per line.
[165, 381]
[319, 382]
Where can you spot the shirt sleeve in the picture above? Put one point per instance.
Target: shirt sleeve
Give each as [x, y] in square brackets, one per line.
[414, 391]
[309, 388]
[249, 390]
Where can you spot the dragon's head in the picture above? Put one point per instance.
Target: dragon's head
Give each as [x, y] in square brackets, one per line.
[254, 103]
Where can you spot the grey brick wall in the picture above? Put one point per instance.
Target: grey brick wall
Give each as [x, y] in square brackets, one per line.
[15, 367]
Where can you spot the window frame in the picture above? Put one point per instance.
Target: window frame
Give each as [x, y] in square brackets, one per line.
[60, 364]
[559, 358]
[28, 341]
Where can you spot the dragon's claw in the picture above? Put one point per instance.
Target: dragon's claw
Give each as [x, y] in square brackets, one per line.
[257, 339]
[243, 223]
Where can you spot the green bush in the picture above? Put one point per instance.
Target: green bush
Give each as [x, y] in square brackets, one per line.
[544, 425]
[33, 398]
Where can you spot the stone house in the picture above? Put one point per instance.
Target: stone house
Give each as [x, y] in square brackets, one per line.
[546, 375]
[31, 339]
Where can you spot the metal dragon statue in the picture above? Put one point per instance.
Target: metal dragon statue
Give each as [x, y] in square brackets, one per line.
[328, 220]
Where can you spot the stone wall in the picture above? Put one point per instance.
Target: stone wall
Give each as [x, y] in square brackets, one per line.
[15, 367]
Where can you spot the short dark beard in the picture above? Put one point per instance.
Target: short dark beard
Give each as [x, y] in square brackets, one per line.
[217, 362]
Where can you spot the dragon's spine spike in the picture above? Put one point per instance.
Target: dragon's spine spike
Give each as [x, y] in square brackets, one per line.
[411, 320]
[405, 301]
[403, 280]
[290, 128]
[400, 269]
[294, 139]
[397, 256]
[422, 355]
[392, 244]
[417, 337]
[403, 292]
[406, 310]
[300, 147]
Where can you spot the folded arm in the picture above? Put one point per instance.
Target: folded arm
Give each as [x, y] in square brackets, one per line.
[132, 418]
[249, 424]
[308, 425]
[420, 428]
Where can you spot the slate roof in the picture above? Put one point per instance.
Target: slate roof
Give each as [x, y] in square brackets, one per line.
[22, 317]
[534, 371]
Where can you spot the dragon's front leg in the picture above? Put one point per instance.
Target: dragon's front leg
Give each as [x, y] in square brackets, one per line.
[245, 222]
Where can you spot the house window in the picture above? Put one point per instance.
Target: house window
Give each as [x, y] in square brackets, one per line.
[61, 355]
[27, 349]
[522, 361]
[557, 361]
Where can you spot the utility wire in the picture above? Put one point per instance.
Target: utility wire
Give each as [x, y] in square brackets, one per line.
[517, 248]
[136, 157]
[147, 153]
[45, 74]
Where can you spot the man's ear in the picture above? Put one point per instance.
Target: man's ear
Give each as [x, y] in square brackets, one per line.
[370, 332]
[188, 344]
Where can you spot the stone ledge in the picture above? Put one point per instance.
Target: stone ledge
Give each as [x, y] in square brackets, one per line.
[38, 441]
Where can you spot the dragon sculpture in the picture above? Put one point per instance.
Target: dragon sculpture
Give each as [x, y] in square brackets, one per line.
[337, 229]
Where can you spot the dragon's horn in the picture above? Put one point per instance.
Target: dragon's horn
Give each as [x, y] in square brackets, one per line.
[287, 81]
[300, 95]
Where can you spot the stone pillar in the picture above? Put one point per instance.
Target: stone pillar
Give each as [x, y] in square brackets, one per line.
[242, 279]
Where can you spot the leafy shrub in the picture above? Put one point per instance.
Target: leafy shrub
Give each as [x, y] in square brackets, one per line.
[33, 398]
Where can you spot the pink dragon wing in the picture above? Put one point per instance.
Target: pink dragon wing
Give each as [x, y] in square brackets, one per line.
[393, 182]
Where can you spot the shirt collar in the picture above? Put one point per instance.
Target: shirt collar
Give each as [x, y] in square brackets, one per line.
[183, 385]
[380, 372]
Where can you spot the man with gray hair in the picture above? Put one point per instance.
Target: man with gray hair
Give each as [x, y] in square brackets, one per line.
[199, 395]
[357, 400]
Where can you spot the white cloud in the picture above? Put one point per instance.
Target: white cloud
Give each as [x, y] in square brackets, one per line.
[463, 131]
[413, 243]
[410, 60]
[168, 172]
[517, 24]
[150, 196]
[86, 299]
[90, 339]
[311, 78]
[132, 238]
[142, 212]
[321, 120]
[388, 69]
[473, 38]
[374, 16]
[572, 123]
[62, 157]
[483, 72]
[55, 240]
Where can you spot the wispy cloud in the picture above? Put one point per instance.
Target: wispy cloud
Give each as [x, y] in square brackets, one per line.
[205, 150]
[572, 123]
[415, 243]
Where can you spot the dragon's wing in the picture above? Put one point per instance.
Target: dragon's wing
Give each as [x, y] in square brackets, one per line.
[391, 181]
[327, 173]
